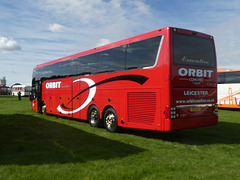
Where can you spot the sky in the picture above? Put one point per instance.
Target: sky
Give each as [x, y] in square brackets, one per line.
[34, 32]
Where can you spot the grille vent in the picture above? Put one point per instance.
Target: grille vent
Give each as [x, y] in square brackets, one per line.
[141, 107]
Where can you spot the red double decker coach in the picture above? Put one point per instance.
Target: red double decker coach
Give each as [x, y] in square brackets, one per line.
[161, 80]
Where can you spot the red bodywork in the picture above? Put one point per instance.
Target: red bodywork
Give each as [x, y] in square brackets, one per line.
[144, 98]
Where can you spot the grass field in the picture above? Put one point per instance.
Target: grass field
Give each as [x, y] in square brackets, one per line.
[34, 146]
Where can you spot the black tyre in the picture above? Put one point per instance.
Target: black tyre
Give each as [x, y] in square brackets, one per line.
[93, 116]
[110, 120]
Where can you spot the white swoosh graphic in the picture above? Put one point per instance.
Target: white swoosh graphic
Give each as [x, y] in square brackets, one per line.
[92, 92]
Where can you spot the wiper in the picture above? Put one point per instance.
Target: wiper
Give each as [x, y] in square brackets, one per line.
[84, 73]
[133, 67]
[105, 71]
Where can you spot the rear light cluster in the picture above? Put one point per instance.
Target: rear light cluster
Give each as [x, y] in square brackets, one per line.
[173, 113]
[215, 109]
[184, 111]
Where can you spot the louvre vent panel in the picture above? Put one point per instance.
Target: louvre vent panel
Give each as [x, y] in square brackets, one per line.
[141, 107]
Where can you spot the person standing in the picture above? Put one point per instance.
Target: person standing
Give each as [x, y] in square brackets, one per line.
[19, 95]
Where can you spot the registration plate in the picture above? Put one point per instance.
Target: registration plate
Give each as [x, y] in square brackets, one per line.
[194, 109]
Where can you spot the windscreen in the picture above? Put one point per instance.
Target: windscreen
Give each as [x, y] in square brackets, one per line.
[192, 50]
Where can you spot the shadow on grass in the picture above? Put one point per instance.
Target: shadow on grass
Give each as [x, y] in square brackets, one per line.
[223, 133]
[28, 140]
[6, 96]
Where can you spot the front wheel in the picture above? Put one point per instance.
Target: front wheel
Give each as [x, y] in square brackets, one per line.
[110, 120]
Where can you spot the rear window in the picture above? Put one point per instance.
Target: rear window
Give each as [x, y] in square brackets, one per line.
[192, 50]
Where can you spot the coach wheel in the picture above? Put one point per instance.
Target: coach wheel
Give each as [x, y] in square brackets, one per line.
[93, 116]
[44, 108]
[110, 120]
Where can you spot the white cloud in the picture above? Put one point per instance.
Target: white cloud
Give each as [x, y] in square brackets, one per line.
[103, 42]
[90, 20]
[141, 7]
[95, 13]
[84, 10]
[56, 27]
[9, 44]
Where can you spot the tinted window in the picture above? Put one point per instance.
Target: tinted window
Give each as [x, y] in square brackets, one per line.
[132, 56]
[142, 53]
[42, 72]
[69, 67]
[232, 77]
[112, 59]
[193, 51]
[87, 64]
[220, 78]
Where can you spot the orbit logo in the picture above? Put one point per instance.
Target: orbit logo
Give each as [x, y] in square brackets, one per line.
[195, 72]
[53, 85]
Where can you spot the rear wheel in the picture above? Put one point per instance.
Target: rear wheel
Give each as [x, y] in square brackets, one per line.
[93, 116]
[110, 120]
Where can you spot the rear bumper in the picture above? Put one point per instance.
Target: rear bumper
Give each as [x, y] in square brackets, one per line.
[187, 123]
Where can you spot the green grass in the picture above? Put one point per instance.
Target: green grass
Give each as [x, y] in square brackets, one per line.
[34, 146]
